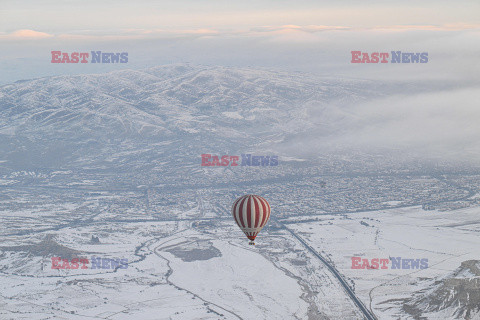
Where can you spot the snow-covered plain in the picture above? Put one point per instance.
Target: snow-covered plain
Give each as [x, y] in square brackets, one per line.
[410, 233]
[189, 270]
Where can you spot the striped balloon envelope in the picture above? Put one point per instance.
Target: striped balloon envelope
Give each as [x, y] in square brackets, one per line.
[251, 213]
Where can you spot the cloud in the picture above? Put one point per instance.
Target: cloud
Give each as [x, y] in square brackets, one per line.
[202, 31]
[93, 35]
[290, 28]
[139, 34]
[445, 27]
[293, 32]
[429, 124]
[444, 120]
[26, 34]
[285, 29]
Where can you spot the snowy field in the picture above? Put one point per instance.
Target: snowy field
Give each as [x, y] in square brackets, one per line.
[205, 269]
[446, 239]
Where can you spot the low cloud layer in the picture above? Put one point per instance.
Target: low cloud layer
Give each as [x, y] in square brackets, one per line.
[439, 124]
[159, 33]
[24, 34]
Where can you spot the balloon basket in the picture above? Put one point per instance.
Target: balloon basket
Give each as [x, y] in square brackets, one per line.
[251, 243]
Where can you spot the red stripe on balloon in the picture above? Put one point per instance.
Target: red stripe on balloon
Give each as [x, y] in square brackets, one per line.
[249, 212]
[240, 213]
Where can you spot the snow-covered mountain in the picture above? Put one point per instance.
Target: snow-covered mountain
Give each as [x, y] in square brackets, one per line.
[133, 119]
[126, 115]
[455, 296]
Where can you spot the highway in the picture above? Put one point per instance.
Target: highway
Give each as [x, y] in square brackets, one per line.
[366, 312]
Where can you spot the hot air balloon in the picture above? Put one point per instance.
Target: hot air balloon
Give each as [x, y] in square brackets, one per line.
[251, 213]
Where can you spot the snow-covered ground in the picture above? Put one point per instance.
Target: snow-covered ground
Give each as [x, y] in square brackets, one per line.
[190, 270]
[446, 239]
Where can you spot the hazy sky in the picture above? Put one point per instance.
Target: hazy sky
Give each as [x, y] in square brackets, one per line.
[314, 36]
[103, 16]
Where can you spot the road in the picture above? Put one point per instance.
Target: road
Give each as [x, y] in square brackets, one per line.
[368, 314]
